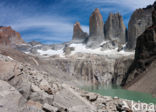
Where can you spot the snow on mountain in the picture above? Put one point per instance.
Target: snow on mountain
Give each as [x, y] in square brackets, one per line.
[81, 48]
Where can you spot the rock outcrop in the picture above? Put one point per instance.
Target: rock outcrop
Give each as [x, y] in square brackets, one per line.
[94, 69]
[9, 37]
[11, 99]
[144, 63]
[96, 29]
[78, 34]
[120, 68]
[140, 20]
[115, 28]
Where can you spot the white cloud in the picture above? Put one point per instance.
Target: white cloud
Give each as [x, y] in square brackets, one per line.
[55, 28]
[46, 23]
[131, 4]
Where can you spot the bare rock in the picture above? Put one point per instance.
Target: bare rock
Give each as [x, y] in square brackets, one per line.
[96, 29]
[49, 108]
[67, 50]
[143, 66]
[115, 28]
[120, 68]
[154, 14]
[80, 108]
[22, 84]
[10, 99]
[41, 97]
[44, 85]
[139, 21]
[92, 97]
[78, 34]
[9, 37]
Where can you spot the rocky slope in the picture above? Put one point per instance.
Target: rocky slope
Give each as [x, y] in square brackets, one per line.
[140, 20]
[96, 29]
[115, 28]
[9, 37]
[142, 71]
[93, 69]
[78, 34]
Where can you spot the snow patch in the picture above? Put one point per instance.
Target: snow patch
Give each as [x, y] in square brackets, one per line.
[50, 52]
[81, 48]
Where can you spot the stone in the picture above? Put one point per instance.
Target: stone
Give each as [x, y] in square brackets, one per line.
[154, 14]
[144, 63]
[92, 97]
[10, 99]
[44, 85]
[115, 29]
[42, 97]
[35, 104]
[111, 44]
[67, 50]
[9, 37]
[22, 85]
[6, 69]
[35, 88]
[79, 35]
[139, 21]
[96, 29]
[120, 68]
[49, 108]
[80, 108]
[63, 110]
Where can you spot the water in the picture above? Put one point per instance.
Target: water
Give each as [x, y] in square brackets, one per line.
[122, 93]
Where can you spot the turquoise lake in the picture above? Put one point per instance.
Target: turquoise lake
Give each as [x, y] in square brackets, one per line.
[122, 93]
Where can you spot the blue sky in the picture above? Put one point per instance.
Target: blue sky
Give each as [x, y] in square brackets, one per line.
[51, 21]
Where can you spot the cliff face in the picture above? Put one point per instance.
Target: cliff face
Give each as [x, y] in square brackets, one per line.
[139, 21]
[9, 37]
[115, 28]
[94, 69]
[78, 34]
[142, 72]
[96, 29]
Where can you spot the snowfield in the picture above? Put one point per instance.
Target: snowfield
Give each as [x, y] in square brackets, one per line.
[50, 52]
[81, 48]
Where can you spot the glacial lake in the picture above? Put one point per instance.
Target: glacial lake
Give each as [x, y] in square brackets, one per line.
[122, 93]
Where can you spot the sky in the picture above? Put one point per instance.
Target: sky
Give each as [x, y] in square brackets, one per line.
[51, 21]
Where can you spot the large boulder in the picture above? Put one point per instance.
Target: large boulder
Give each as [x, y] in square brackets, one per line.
[139, 21]
[96, 29]
[115, 28]
[9, 37]
[78, 34]
[10, 99]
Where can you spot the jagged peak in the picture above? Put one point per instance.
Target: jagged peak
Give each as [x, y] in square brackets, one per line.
[77, 26]
[77, 23]
[78, 33]
[96, 12]
[114, 15]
